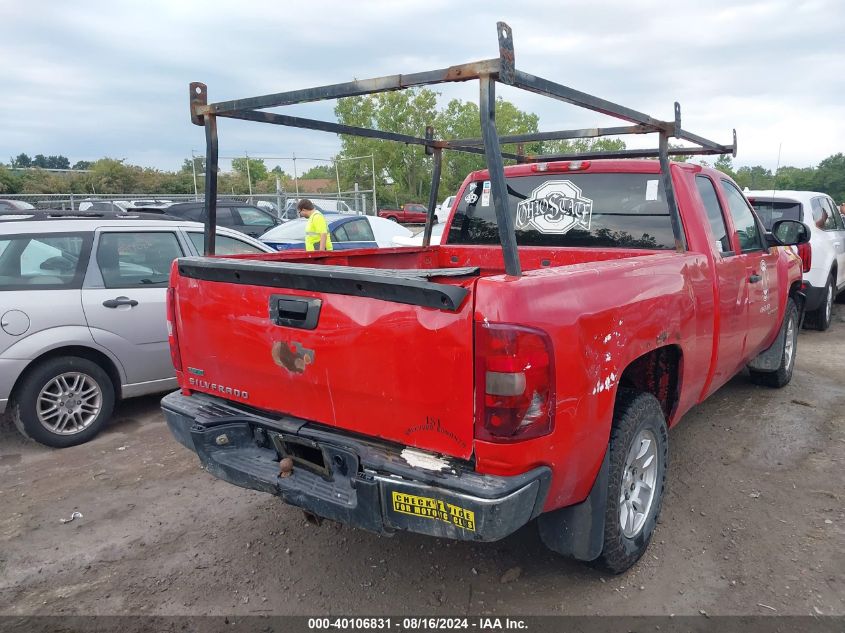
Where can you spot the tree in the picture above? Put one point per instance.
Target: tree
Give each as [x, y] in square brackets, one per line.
[725, 165]
[757, 177]
[406, 112]
[8, 181]
[318, 171]
[582, 145]
[22, 161]
[462, 120]
[198, 163]
[110, 175]
[257, 168]
[407, 167]
[830, 176]
[40, 161]
[82, 164]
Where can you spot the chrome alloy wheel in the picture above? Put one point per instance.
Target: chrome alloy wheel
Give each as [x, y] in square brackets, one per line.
[639, 478]
[69, 403]
[789, 343]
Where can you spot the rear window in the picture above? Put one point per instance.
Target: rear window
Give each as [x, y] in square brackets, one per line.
[43, 262]
[587, 210]
[770, 211]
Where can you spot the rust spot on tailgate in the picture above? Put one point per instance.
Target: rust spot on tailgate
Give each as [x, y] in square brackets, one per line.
[292, 356]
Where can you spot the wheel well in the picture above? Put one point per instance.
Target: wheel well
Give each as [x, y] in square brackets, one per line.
[794, 289]
[83, 352]
[659, 373]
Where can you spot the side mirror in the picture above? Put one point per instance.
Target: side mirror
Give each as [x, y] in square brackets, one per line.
[788, 233]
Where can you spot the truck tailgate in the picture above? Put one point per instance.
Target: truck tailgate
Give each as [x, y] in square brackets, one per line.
[295, 339]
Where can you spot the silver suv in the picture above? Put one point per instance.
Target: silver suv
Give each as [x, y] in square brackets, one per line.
[82, 316]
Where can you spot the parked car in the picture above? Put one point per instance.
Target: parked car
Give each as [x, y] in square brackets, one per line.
[443, 209]
[12, 206]
[240, 216]
[410, 213]
[111, 206]
[347, 232]
[271, 208]
[417, 240]
[82, 315]
[823, 256]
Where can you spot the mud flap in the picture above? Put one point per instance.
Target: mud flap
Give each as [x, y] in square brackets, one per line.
[769, 360]
[578, 531]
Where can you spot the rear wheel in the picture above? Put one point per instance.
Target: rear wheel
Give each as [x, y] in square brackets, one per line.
[393, 218]
[781, 376]
[63, 401]
[639, 451]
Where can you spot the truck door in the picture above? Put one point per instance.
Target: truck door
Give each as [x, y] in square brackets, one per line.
[731, 298]
[760, 268]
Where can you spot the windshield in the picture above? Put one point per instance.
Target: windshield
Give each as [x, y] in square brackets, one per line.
[770, 211]
[599, 210]
[293, 230]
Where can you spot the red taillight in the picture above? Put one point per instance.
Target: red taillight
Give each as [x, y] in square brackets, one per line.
[515, 395]
[172, 332]
[805, 252]
[563, 165]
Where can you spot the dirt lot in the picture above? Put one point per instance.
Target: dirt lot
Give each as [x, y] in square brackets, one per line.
[753, 524]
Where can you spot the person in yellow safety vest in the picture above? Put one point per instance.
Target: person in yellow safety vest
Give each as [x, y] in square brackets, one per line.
[316, 230]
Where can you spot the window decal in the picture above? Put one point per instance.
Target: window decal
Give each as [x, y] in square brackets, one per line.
[555, 207]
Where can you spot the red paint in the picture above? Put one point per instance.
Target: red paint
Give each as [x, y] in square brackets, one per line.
[407, 374]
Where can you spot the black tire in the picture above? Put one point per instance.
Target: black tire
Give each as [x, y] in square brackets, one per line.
[635, 413]
[393, 218]
[820, 319]
[783, 374]
[24, 401]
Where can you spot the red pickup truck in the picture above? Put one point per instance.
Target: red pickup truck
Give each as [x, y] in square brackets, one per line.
[410, 213]
[424, 389]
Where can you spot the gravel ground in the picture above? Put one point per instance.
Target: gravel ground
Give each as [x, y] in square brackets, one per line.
[752, 525]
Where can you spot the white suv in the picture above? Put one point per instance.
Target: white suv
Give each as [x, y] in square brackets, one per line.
[823, 256]
[82, 315]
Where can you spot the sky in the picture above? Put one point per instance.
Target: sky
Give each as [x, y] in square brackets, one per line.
[90, 78]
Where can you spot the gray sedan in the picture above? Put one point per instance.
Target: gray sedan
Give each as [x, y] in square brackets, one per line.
[82, 316]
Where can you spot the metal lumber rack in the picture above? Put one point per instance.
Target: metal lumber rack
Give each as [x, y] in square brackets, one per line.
[487, 72]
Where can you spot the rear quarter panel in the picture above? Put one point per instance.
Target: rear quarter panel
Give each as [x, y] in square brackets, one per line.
[601, 317]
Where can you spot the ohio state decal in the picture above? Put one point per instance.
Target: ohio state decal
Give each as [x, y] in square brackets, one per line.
[555, 207]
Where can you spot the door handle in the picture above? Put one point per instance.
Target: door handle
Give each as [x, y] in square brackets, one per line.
[754, 278]
[120, 301]
[293, 312]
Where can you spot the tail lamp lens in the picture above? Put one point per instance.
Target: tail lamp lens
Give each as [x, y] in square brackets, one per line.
[514, 383]
[805, 252]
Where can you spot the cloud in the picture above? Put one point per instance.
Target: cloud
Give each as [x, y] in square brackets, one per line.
[92, 78]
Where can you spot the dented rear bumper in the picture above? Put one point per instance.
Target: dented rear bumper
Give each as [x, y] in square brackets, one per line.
[355, 481]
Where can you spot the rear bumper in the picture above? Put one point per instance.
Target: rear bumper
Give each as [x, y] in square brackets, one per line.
[363, 483]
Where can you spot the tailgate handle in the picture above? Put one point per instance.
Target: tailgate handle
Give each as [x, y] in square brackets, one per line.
[295, 312]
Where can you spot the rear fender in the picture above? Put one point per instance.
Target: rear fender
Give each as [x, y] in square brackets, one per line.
[45, 341]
